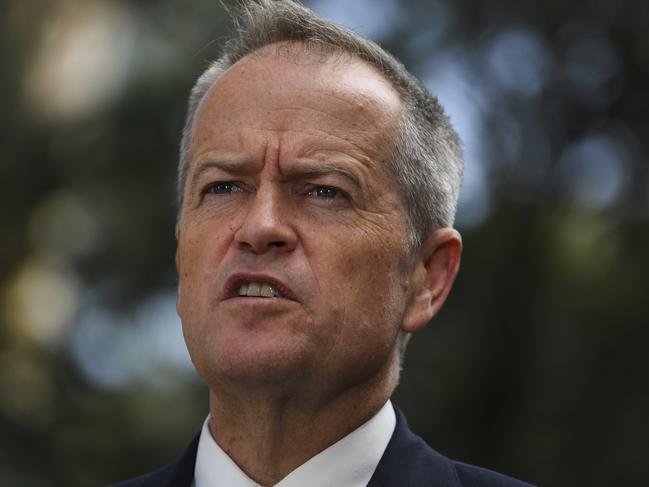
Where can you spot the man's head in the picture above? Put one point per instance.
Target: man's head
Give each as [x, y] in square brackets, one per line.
[305, 243]
[426, 154]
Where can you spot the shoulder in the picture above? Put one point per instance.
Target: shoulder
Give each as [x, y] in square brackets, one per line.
[472, 476]
[409, 462]
[177, 474]
[160, 477]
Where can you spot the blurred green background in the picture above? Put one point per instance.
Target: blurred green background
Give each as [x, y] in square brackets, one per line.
[538, 366]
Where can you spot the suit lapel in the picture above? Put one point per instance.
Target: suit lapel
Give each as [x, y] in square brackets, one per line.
[409, 462]
[181, 473]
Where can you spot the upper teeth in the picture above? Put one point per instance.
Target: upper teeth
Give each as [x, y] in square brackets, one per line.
[258, 289]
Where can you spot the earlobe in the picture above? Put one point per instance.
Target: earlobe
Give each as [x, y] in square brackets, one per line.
[433, 277]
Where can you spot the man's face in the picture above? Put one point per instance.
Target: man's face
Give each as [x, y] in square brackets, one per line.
[292, 250]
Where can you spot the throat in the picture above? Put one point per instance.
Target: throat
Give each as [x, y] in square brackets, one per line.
[268, 438]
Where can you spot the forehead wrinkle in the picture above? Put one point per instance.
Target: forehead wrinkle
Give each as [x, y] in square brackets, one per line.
[272, 156]
[240, 160]
[364, 153]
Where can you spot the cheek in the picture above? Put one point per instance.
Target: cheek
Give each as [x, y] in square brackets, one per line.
[202, 245]
[199, 254]
[372, 255]
[367, 280]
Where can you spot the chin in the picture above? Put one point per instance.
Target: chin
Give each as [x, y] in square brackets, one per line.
[254, 362]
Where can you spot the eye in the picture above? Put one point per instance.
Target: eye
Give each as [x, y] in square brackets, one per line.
[326, 192]
[222, 187]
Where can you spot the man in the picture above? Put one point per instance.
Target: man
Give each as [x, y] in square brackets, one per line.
[318, 183]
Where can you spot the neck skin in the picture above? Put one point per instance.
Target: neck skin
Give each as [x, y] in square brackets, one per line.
[268, 433]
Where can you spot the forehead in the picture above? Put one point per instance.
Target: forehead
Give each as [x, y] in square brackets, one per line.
[282, 68]
[284, 87]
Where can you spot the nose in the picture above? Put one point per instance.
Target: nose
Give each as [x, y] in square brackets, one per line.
[266, 224]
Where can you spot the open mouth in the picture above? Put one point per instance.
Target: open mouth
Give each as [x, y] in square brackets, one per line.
[257, 286]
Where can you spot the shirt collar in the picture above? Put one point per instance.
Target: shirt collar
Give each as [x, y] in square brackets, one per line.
[350, 462]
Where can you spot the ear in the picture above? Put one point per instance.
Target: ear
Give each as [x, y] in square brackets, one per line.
[434, 271]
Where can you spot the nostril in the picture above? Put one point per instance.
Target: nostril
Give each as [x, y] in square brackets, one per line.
[277, 243]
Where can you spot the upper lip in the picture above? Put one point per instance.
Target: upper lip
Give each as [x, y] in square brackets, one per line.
[234, 282]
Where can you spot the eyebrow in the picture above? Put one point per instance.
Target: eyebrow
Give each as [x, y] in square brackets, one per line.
[226, 165]
[234, 166]
[330, 169]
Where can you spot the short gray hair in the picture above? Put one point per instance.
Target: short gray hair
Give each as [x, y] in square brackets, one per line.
[426, 157]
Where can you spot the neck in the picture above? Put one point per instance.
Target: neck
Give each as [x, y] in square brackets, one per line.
[268, 434]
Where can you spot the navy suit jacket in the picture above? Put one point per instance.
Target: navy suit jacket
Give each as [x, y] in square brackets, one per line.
[407, 462]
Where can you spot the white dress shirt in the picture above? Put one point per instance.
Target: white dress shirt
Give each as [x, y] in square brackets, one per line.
[350, 462]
